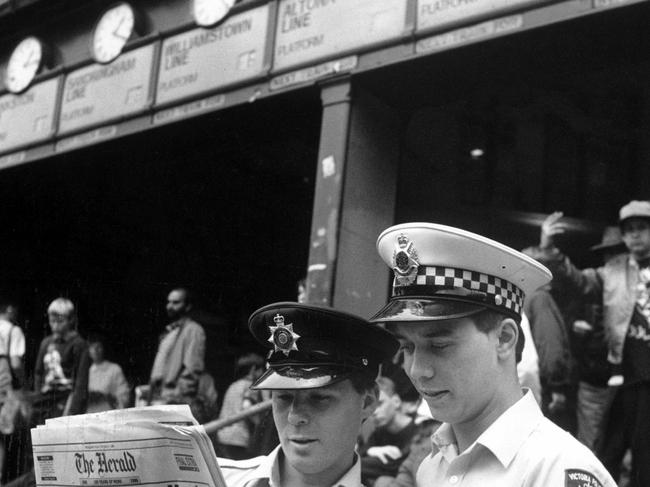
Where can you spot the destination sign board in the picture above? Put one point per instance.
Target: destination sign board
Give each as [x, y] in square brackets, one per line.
[436, 14]
[101, 92]
[310, 30]
[204, 60]
[29, 117]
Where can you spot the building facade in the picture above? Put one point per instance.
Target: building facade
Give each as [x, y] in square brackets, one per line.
[239, 148]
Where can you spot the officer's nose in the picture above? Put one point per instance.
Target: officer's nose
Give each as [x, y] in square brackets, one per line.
[298, 413]
[418, 367]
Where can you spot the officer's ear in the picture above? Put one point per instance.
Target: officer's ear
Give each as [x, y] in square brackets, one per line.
[508, 335]
[370, 400]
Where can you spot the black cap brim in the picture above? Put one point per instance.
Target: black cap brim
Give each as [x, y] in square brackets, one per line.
[300, 376]
[415, 308]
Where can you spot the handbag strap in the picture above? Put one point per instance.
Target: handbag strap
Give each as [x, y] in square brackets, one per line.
[8, 356]
[9, 342]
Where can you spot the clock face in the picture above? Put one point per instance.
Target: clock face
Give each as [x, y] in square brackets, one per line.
[114, 29]
[209, 12]
[24, 63]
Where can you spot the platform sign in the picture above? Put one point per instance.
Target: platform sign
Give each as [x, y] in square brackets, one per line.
[600, 4]
[437, 14]
[203, 60]
[312, 73]
[99, 93]
[474, 33]
[310, 30]
[189, 109]
[29, 117]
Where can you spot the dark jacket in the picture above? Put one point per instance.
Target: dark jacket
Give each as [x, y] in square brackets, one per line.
[551, 338]
[372, 467]
[75, 363]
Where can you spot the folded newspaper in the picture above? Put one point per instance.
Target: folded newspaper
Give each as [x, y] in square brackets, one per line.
[154, 446]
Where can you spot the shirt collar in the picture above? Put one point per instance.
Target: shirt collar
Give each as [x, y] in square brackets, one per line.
[351, 478]
[269, 469]
[516, 424]
[635, 264]
[66, 337]
[175, 324]
[445, 441]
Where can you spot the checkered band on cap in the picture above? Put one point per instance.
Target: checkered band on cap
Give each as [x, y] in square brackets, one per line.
[497, 292]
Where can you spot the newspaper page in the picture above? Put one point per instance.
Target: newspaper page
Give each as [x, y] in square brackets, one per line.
[178, 414]
[123, 449]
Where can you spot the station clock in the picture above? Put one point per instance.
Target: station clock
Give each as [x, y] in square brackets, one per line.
[113, 30]
[209, 12]
[25, 62]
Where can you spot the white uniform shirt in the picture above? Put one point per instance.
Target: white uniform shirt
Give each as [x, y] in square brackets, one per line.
[521, 448]
[108, 378]
[265, 472]
[16, 342]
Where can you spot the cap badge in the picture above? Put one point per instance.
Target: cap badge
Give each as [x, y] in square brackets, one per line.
[405, 261]
[282, 336]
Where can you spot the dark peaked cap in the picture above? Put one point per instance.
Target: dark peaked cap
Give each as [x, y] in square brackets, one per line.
[314, 346]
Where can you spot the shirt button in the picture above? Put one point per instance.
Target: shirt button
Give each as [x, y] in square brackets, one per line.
[453, 479]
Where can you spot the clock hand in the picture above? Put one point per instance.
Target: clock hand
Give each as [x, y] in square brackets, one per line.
[117, 29]
[119, 36]
[29, 59]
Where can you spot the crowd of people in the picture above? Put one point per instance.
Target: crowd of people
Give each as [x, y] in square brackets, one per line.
[589, 330]
[72, 375]
[606, 311]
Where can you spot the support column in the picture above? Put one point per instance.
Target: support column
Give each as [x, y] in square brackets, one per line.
[354, 200]
[336, 98]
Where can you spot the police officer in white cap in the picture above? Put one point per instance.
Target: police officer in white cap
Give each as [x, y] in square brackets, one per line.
[322, 369]
[455, 309]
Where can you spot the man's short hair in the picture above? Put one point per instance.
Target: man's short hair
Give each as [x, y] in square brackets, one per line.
[488, 320]
[362, 381]
[6, 305]
[387, 385]
[61, 306]
[96, 337]
[245, 362]
[189, 296]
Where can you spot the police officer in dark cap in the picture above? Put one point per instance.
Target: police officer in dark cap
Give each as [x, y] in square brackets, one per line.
[322, 366]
